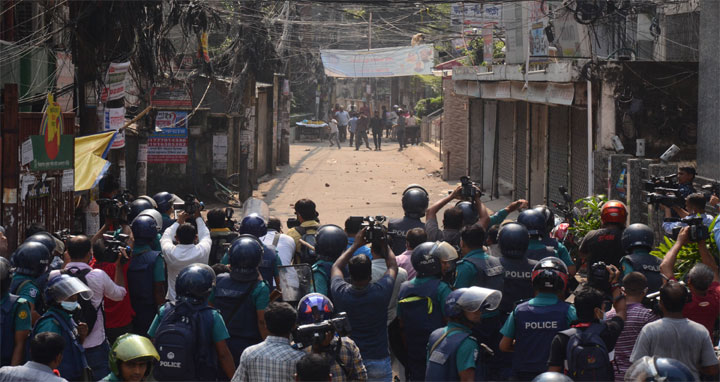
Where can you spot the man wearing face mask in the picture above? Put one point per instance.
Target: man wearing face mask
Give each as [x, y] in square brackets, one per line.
[61, 296]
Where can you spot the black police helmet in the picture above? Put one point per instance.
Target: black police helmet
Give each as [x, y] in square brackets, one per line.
[43, 238]
[144, 229]
[425, 261]
[195, 282]
[415, 201]
[31, 259]
[658, 369]
[550, 273]
[514, 240]
[470, 213]
[330, 242]
[534, 221]
[137, 206]
[163, 200]
[5, 273]
[245, 255]
[637, 235]
[549, 217]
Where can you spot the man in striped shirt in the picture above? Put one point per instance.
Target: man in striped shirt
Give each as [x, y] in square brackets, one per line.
[637, 316]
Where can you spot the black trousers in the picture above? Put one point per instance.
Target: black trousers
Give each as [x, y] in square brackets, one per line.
[342, 133]
[401, 138]
[377, 138]
[359, 138]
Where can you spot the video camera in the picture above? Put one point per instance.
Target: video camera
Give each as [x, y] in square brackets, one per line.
[375, 230]
[663, 190]
[292, 223]
[114, 208]
[711, 189]
[698, 230]
[113, 246]
[652, 301]
[599, 278]
[469, 189]
[311, 334]
[190, 205]
[63, 234]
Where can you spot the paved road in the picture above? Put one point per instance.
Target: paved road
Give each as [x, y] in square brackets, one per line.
[344, 182]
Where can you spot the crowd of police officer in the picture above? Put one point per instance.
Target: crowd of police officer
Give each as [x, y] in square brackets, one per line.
[484, 304]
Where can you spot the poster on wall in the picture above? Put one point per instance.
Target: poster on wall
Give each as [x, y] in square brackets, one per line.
[52, 150]
[115, 81]
[220, 152]
[113, 119]
[169, 144]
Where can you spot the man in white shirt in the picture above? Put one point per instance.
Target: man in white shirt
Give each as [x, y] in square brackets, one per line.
[186, 252]
[284, 244]
[96, 346]
[343, 119]
[333, 133]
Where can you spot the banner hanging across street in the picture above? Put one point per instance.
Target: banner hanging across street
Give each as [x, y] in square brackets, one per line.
[382, 62]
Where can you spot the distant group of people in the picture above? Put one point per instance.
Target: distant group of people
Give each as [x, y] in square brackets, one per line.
[398, 123]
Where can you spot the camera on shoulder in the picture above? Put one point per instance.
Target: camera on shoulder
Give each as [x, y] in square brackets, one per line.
[314, 334]
[190, 204]
[113, 244]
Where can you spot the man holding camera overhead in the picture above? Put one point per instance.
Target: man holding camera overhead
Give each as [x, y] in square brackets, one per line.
[187, 251]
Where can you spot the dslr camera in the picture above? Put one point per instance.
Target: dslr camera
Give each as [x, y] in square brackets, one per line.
[190, 204]
[468, 188]
[113, 246]
[312, 334]
[292, 223]
[698, 230]
[375, 230]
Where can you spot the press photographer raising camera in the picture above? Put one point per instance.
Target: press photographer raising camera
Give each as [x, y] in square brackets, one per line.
[694, 207]
[347, 364]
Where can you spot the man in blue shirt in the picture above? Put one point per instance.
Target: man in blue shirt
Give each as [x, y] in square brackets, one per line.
[366, 304]
[694, 207]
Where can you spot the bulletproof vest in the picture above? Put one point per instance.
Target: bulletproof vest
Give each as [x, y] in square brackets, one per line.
[517, 276]
[535, 328]
[73, 362]
[490, 272]
[421, 314]
[140, 279]
[649, 266]
[7, 332]
[442, 362]
[18, 282]
[540, 253]
[550, 242]
[323, 267]
[232, 299]
[267, 264]
[398, 228]
[167, 222]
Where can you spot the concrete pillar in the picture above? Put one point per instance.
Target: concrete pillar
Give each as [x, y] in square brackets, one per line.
[635, 198]
[606, 126]
[708, 134]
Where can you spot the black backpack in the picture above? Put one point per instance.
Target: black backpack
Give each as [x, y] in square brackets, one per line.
[306, 255]
[182, 342]
[87, 313]
[587, 355]
[220, 245]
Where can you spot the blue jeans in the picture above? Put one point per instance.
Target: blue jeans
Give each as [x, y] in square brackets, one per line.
[378, 369]
[97, 359]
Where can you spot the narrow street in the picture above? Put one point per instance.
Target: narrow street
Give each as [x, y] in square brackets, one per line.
[346, 182]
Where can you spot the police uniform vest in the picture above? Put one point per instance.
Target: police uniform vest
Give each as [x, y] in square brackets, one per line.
[73, 363]
[232, 299]
[442, 361]
[140, 287]
[489, 272]
[540, 253]
[323, 266]
[535, 328]
[267, 264]
[7, 332]
[398, 229]
[649, 266]
[517, 276]
[17, 283]
[421, 314]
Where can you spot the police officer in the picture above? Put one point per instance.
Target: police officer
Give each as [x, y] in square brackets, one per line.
[136, 207]
[533, 324]
[61, 295]
[254, 225]
[241, 296]
[560, 248]
[164, 201]
[637, 241]
[414, 203]
[131, 358]
[31, 262]
[331, 242]
[513, 239]
[189, 331]
[534, 221]
[146, 279]
[421, 306]
[347, 363]
[604, 244]
[15, 320]
[453, 353]
[54, 246]
[153, 213]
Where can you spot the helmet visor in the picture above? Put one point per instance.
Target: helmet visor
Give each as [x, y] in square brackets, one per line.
[134, 347]
[70, 286]
[477, 298]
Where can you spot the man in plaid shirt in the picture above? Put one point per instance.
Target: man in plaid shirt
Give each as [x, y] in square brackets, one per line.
[273, 359]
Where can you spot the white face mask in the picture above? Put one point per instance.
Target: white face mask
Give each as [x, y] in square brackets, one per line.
[70, 305]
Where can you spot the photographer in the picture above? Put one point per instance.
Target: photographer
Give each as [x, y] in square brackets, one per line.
[702, 281]
[694, 208]
[186, 252]
[685, 178]
[220, 234]
[347, 363]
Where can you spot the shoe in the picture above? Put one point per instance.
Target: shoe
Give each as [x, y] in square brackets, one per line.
[357, 149]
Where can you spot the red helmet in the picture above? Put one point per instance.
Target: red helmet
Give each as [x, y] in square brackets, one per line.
[613, 211]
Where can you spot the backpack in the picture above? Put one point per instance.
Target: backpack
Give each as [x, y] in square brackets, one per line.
[87, 313]
[220, 245]
[306, 255]
[587, 355]
[182, 341]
